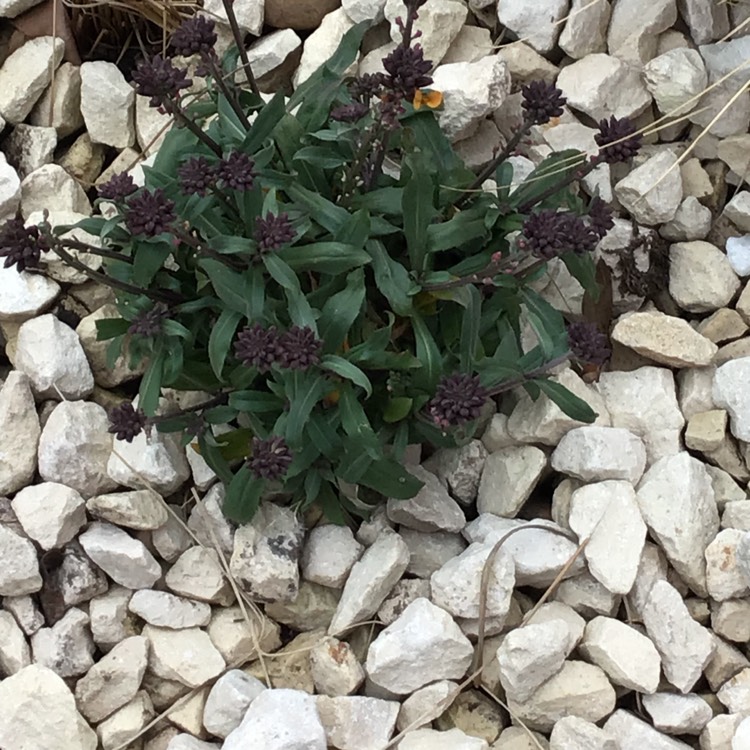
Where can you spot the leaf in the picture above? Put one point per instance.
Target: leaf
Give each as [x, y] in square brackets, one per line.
[288, 136]
[554, 170]
[340, 311]
[391, 278]
[432, 140]
[356, 424]
[428, 354]
[320, 156]
[323, 436]
[232, 129]
[388, 477]
[243, 496]
[264, 124]
[230, 286]
[418, 210]
[582, 268]
[150, 388]
[597, 306]
[327, 214]
[347, 370]
[324, 257]
[220, 339]
[148, 259]
[451, 234]
[255, 402]
[547, 322]
[471, 320]
[108, 328]
[299, 308]
[575, 407]
[356, 230]
[397, 408]
[302, 402]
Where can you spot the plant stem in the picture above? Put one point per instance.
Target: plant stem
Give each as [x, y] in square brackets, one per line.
[174, 110]
[154, 294]
[202, 249]
[231, 98]
[218, 400]
[93, 250]
[240, 42]
[577, 174]
[530, 375]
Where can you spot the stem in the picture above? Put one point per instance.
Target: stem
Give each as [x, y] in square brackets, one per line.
[240, 42]
[174, 110]
[530, 375]
[218, 400]
[93, 250]
[201, 249]
[356, 162]
[231, 98]
[154, 294]
[577, 174]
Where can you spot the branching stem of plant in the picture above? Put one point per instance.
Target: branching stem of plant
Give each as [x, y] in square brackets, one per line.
[240, 42]
[537, 372]
[205, 250]
[173, 108]
[218, 400]
[93, 250]
[231, 98]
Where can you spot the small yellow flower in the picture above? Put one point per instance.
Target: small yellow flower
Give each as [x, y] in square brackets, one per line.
[428, 97]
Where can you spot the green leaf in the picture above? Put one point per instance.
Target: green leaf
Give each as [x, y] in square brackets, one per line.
[320, 156]
[347, 370]
[471, 320]
[288, 136]
[196, 376]
[504, 179]
[341, 310]
[397, 408]
[243, 496]
[583, 268]
[214, 457]
[230, 286]
[324, 257]
[554, 170]
[451, 234]
[300, 311]
[386, 200]
[418, 210]
[391, 278]
[149, 391]
[356, 424]
[148, 259]
[356, 230]
[108, 328]
[221, 339]
[302, 402]
[431, 140]
[255, 402]
[232, 129]
[327, 214]
[264, 124]
[388, 477]
[428, 354]
[575, 407]
[323, 436]
[547, 322]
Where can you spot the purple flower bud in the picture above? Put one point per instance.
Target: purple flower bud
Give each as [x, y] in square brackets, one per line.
[257, 347]
[21, 246]
[117, 188]
[299, 348]
[542, 101]
[195, 35]
[270, 458]
[458, 399]
[149, 213]
[617, 140]
[237, 171]
[273, 232]
[126, 422]
[159, 79]
[197, 176]
[588, 344]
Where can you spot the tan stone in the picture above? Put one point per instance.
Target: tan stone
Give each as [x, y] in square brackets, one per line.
[705, 430]
[723, 325]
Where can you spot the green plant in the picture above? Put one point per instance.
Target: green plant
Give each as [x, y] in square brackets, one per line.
[336, 310]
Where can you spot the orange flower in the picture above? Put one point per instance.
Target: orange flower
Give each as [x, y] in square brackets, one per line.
[432, 99]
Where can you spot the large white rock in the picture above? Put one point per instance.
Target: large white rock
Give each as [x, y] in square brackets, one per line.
[50, 353]
[10, 192]
[123, 558]
[601, 86]
[593, 453]
[729, 393]
[633, 733]
[166, 610]
[537, 23]
[75, 446]
[39, 713]
[607, 514]
[19, 425]
[665, 339]
[370, 581]
[198, 574]
[188, 655]
[724, 575]
[249, 14]
[530, 655]
[228, 701]
[137, 509]
[60, 105]
[19, 568]
[50, 513]
[634, 28]
[322, 43]
[676, 499]
[429, 551]
[281, 719]
[451, 739]
[271, 50]
[334, 667]
[357, 722]
[652, 192]
[585, 31]
[426, 704]
[707, 22]
[50, 187]
[685, 646]
[209, 524]
[440, 22]
[675, 79]
[457, 585]
[578, 689]
[678, 714]
[701, 279]
[508, 478]
[113, 680]
[67, 647]
[471, 91]
[573, 733]
[423, 645]
[107, 104]
[15, 653]
[25, 74]
[23, 295]
[329, 553]
[628, 657]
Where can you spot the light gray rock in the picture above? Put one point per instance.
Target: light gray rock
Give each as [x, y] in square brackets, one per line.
[539, 24]
[634, 28]
[75, 446]
[50, 187]
[60, 105]
[451, 739]
[19, 568]
[23, 295]
[271, 50]
[281, 719]
[249, 14]
[111, 622]
[735, 693]
[138, 509]
[25, 74]
[587, 596]
[186, 655]
[724, 575]
[508, 479]
[706, 22]
[30, 147]
[652, 192]
[228, 700]
[19, 424]
[51, 514]
[39, 712]
[198, 574]
[334, 668]
[692, 221]
[600, 86]
[14, 648]
[585, 31]
[729, 394]
[634, 734]
[701, 278]
[459, 469]
[677, 503]
[107, 104]
[678, 714]
[531, 655]
[426, 704]
[737, 211]
[421, 646]
[371, 579]
[171, 539]
[431, 509]
[166, 610]
[265, 557]
[471, 91]
[312, 609]
[322, 43]
[457, 585]
[357, 722]
[328, 555]
[113, 680]
[123, 558]
[67, 647]
[470, 44]
[50, 353]
[429, 551]
[126, 722]
[685, 646]
[628, 657]
[25, 611]
[675, 79]
[208, 522]
[237, 639]
[607, 514]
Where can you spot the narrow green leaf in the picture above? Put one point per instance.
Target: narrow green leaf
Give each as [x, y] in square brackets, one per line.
[583, 269]
[213, 456]
[324, 257]
[391, 278]
[418, 210]
[149, 391]
[264, 123]
[388, 477]
[108, 328]
[356, 424]
[355, 230]
[432, 140]
[299, 308]
[397, 408]
[428, 354]
[347, 370]
[231, 127]
[230, 286]
[327, 214]
[471, 320]
[324, 436]
[572, 405]
[243, 496]
[341, 310]
[320, 156]
[301, 405]
[220, 339]
[255, 402]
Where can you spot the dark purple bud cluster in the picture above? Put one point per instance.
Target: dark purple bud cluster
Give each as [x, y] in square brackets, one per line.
[549, 233]
[588, 344]
[195, 36]
[296, 349]
[21, 246]
[458, 399]
[542, 101]
[349, 112]
[407, 71]
[159, 79]
[237, 171]
[117, 188]
[273, 232]
[126, 422]
[365, 87]
[270, 458]
[149, 213]
[600, 216]
[150, 322]
[197, 176]
[617, 140]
